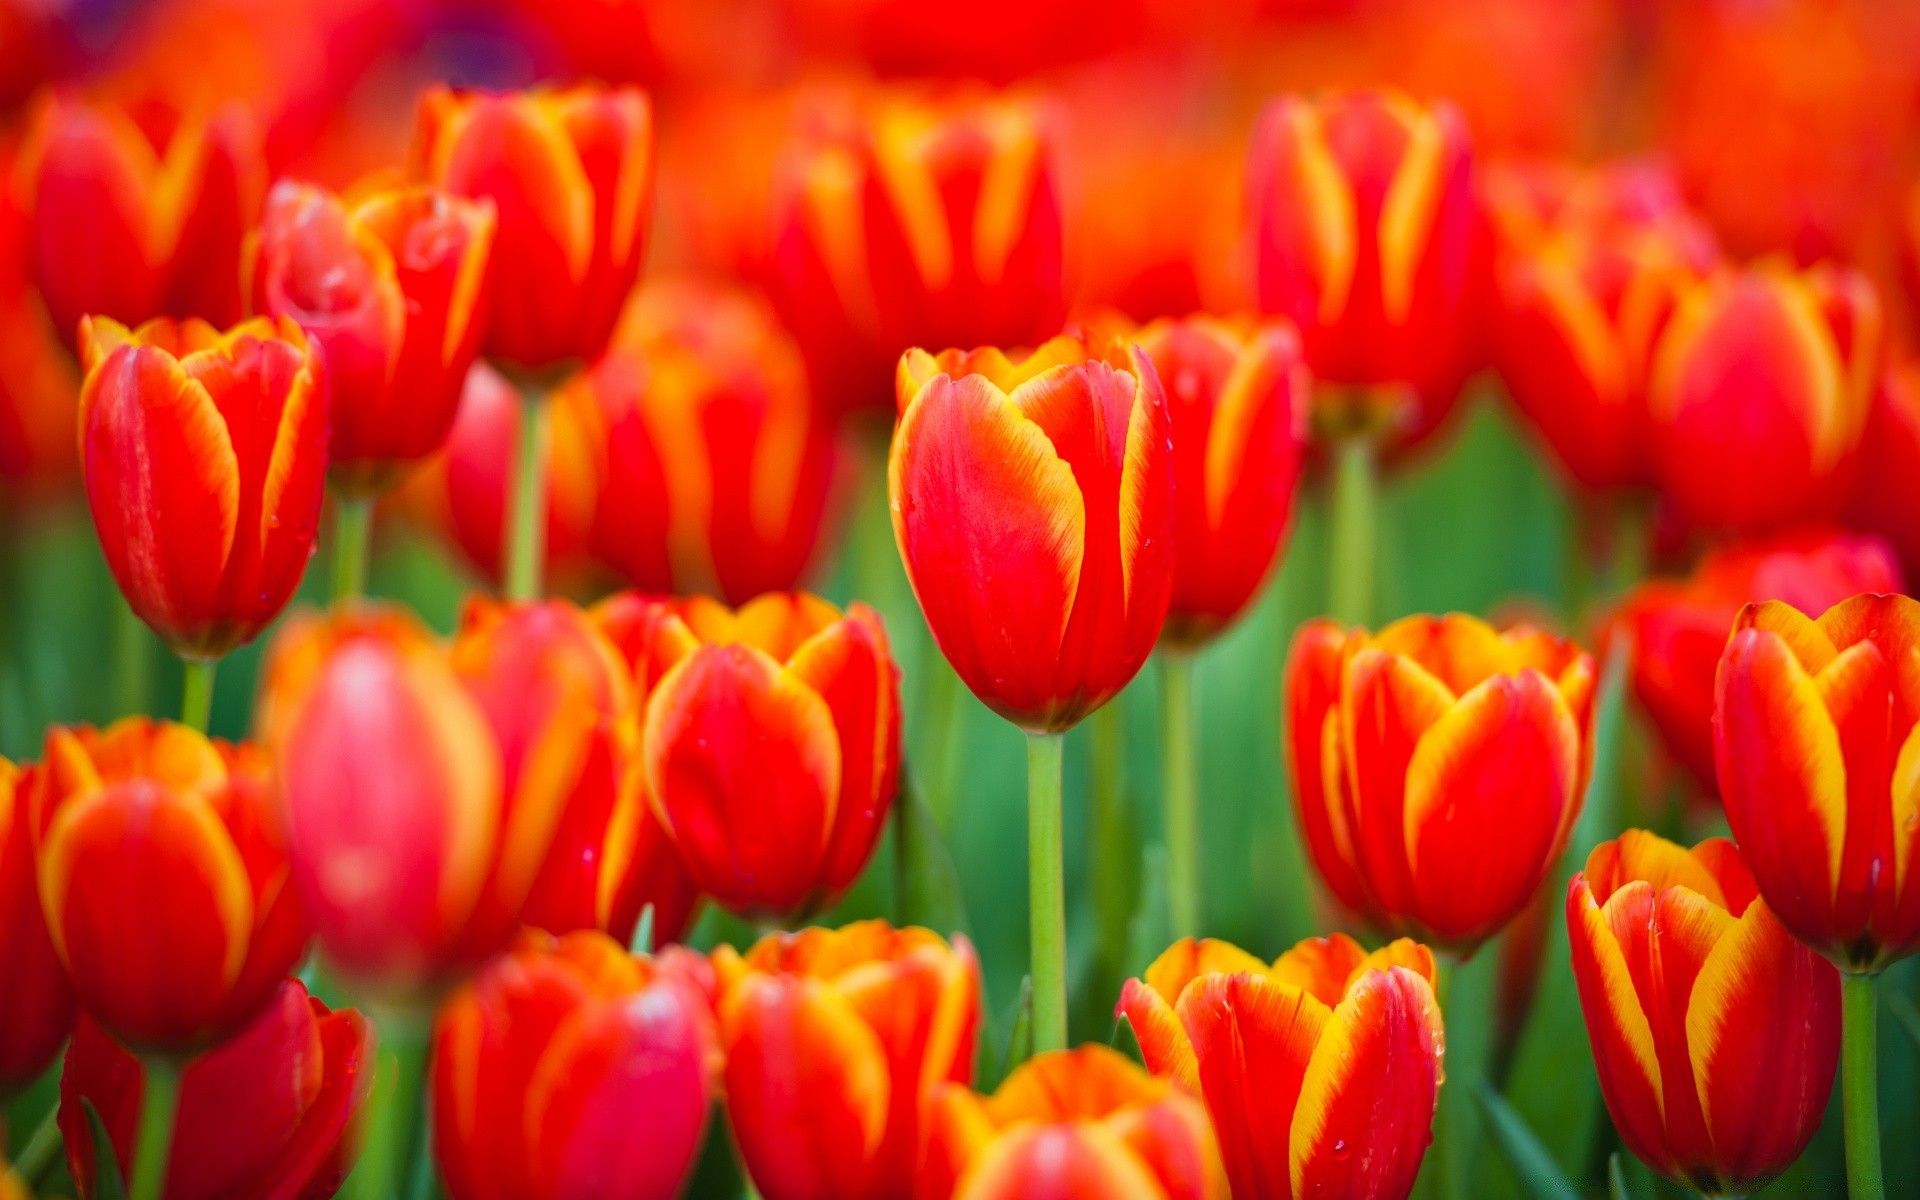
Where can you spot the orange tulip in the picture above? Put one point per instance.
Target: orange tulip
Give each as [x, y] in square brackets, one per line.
[771, 748]
[37, 1005]
[163, 880]
[1437, 767]
[137, 216]
[1053, 475]
[205, 457]
[717, 467]
[832, 1040]
[570, 172]
[269, 1113]
[1321, 1072]
[1759, 389]
[1716, 1034]
[391, 285]
[929, 222]
[1361, 220]
[1067, 1124]
[1815, 741]
[1679, 627]
[571, 1069]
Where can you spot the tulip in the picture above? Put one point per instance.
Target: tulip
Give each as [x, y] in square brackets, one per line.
[38, 379]
[929, 222]
[570, 1070]
[1758, 391]
[137, 221]
[717, 467]
[163, 881]
[267, 1114]
[1886, 492]
[1066, 1124]
[833, 1039]
[205, 462]
[37, 1005]
[1679, 627]
[772, 749]
[1715, 1033]
[1437, 767]
[1321, 1072]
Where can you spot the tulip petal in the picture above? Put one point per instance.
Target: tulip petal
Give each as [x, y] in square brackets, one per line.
[851, 667]
[1163, 1041]
[1387, 704]
[1059, 1162]
[1314, 760]
[1617, 1026]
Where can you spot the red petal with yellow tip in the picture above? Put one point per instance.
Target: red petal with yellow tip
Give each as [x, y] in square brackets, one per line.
[1060, 1162]
[1313, 680]
[1387, 703]
[1164, 1045]
[850, 665]
[1618, 1028]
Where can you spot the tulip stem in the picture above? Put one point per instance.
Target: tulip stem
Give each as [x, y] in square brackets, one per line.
[352, 535]
[1860, 1082]
[196, 701]
[393, 1113]
[526, 548]
[1353, 519]
[1115, 861]
[1182, 798]
[1046, 892]
[153, 1142]
[133, 654]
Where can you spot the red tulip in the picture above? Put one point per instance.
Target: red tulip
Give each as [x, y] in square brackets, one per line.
[1437, 767]
[570, 1070]
[1886, 492]
[1321, 1072]
[38, 381]
[266, 1116]
[138, 220]
[391, 285]
[1814, 738]
[163, 880]
[832, 1040]
[570, 171]
[37, 1005]
[205, 456]
[1051, 474]
[1716, 1034]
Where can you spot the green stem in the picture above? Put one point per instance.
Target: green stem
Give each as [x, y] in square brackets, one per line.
[1182, 798]
[1116, 856]
[526, 548]
[42, 1150]
[196, 703]
[133, 652]
[153, 1142]
[1353, 521]
[1860, 1082]
[352, 535]
[392, 1132]
[1046, 892]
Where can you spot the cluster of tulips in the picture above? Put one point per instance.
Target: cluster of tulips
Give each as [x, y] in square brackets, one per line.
[427, 925]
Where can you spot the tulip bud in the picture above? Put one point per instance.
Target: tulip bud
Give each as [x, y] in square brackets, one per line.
[1437, 767]
[1053, 474]
[37, 1005]
[392, 287]
[718, 468]
[1679, 627]
[1815, 741]
[569, 1069]
[163, 880]
[1715, 1033]
[137, 221]
[1067, 1124]
[832, 1038]
[1360, 224]
[570, 172]
[269, 1113]
[205, 457]
[1759, 389]
[1358, 1036]
[772, 749]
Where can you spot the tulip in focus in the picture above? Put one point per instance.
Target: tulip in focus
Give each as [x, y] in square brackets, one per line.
[1070, 1124]
[571, 1070]
[1437, 767]
[1321, 1072]
[390, 284]
[833, 1039]
[205, 457]
[1716, 1034]
[1679, 627]
[37, 1005]
[163, 880]
[269, 1113]
[137, 216]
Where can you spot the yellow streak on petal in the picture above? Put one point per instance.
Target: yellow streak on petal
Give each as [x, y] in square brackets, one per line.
[1005, 190]
[1906, 808]
[1408, 212]
[1622, 1000]
[1330, 211]
[899, 153]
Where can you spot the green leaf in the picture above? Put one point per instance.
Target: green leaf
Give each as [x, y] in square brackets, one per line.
[1020, 1038]
[643, 932]
[1530, 1160]
[1126, 1041]
[1151, 928]
[1903, 1010]
[927, 886]
[106, 1170]
[1616, 1179]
